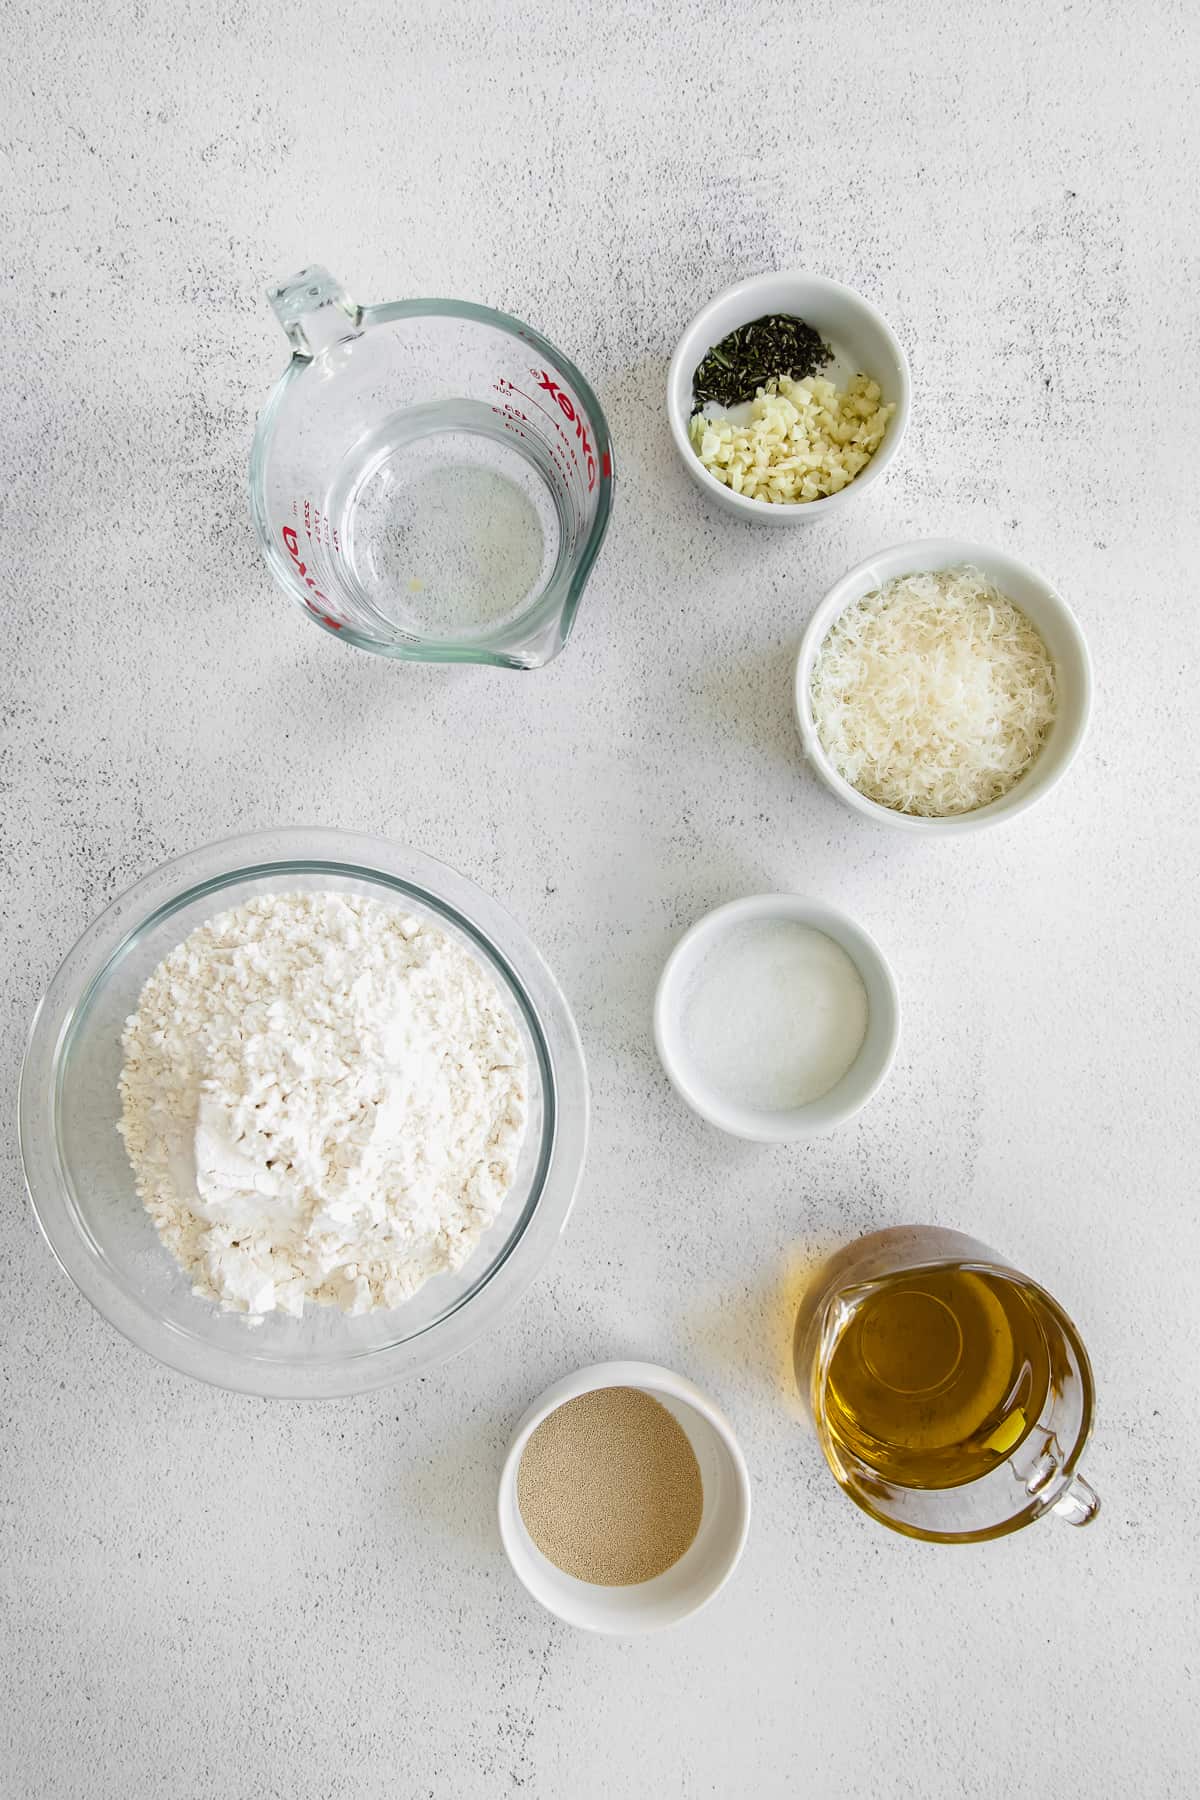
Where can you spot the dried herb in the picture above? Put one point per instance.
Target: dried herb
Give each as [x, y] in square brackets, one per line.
[754, 354]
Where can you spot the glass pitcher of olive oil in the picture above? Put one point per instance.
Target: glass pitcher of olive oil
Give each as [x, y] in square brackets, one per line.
[952, 1396]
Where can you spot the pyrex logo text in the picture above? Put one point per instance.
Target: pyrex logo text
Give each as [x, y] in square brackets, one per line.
[567, 408]
[293, 545]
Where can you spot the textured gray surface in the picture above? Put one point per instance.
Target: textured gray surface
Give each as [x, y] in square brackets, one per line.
[207, 1596]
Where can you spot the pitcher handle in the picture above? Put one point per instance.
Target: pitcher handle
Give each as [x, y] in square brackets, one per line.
[1078, 1504]
[315, 310]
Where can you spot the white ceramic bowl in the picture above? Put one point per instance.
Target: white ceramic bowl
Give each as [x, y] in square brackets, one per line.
[862, 341]
[1036, 598]
[861, 1079]
[704, 1567]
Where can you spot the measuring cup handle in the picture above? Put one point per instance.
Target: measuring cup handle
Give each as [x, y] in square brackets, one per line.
[1078, 1504]
[315, 310]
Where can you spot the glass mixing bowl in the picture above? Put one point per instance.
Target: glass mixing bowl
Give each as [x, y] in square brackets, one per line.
[82, 1188]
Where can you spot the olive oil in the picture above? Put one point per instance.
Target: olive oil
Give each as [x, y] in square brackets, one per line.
[938, 1376]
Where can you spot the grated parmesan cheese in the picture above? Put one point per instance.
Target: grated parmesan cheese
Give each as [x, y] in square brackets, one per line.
[934, 694]
[802, 441]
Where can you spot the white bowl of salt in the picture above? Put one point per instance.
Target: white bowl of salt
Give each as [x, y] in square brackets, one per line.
[776, 1018]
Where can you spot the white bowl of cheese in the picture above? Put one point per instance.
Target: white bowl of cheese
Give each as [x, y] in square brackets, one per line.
[1041, 604]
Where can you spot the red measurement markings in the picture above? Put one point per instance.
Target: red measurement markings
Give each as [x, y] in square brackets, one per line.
[509, 424]
[512, 417]
[317, 527]
[508, 417]
[567, 472]
[556, 421]
[566, 410]
[510, 411]
[566, 406]
[293, 548]
[564, 436]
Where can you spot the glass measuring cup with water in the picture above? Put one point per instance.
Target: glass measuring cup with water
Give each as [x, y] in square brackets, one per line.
[952, 1396]
[430, 480]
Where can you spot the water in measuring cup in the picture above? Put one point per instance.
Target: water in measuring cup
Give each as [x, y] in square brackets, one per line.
[447, 527]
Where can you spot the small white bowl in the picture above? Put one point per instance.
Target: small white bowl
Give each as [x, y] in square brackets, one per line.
[1036, 598]
[863, 342]
[861, 1079]
[704, 1567]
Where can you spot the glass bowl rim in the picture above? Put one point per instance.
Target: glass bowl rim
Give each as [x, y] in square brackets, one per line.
[449, 895]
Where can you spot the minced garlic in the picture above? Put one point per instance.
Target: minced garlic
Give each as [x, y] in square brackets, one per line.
[804, 439]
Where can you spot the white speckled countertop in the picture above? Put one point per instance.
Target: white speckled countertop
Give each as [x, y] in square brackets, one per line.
[203, 1595]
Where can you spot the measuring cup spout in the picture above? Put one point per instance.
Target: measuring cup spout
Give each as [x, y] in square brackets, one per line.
[315, 310]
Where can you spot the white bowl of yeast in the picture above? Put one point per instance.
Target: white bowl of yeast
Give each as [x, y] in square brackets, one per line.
[705, 1565]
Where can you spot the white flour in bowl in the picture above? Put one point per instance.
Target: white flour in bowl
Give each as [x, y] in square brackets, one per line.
[323, 1098]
